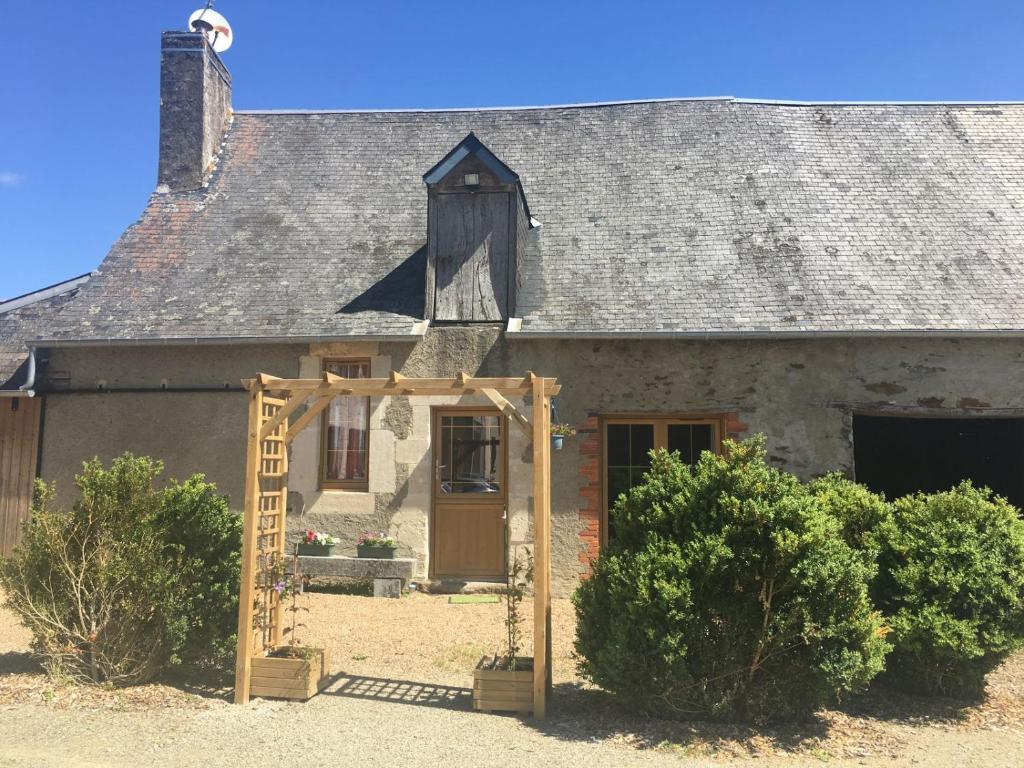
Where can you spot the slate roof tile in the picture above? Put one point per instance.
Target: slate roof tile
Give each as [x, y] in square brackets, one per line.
[715, 216]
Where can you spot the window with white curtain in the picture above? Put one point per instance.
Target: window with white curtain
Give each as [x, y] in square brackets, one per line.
[345, 453]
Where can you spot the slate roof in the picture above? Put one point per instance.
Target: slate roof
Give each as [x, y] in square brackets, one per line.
[27, 317]
[674, 217]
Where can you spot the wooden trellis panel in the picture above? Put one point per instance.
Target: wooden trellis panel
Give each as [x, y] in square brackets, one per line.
[266, 505]
[271, 506]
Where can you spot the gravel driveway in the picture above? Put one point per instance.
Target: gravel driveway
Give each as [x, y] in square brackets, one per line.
[370, 717]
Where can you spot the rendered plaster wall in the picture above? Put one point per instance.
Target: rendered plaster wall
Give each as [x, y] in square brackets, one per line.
[190, 431]
[800, 394]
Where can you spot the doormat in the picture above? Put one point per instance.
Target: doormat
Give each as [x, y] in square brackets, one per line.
[462, 599]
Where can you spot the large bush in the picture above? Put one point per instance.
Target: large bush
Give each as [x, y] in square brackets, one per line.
[860, 513]
[132, 580]
[951, 585]
[728, 592]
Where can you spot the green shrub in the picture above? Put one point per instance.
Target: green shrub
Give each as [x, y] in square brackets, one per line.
[727, 593]
[859, 512]
[951, 584]
[132, 580]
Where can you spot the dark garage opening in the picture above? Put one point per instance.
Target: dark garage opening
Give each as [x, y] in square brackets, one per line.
[897, 456]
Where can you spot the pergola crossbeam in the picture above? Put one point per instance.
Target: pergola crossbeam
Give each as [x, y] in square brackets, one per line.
[319, 406]
[403, 385]
[293, 404]
[509, 410]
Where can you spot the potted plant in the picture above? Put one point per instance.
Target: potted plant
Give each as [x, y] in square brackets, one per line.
[376, 545]
[291, 671]
[558, 434]
[504, 682]
[317, 544]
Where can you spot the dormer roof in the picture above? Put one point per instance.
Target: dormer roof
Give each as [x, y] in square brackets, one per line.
[469, 146]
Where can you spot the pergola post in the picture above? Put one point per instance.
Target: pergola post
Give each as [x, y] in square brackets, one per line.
[243, 659]
[541, 547]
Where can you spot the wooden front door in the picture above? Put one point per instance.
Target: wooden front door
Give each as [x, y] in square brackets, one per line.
[470, 492]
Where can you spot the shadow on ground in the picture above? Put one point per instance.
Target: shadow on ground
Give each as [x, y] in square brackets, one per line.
[18, 663]
[577, 713]
[399, 691]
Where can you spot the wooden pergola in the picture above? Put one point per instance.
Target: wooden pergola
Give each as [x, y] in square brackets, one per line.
[272, 401]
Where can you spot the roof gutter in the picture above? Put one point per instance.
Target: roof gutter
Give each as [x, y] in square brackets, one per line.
[229, 340]
[1010, 333]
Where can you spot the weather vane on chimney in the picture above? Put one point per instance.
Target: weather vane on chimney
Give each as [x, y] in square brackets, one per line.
[213, 25]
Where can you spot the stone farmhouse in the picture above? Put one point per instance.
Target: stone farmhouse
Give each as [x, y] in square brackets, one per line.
[847, 279]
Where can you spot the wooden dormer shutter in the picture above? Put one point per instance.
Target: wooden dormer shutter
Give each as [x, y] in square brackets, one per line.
[475, 208]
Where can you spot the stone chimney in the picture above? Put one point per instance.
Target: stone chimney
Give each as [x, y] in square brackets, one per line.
[195, 106]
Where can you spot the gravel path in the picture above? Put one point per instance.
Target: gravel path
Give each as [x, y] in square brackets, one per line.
[369, 717]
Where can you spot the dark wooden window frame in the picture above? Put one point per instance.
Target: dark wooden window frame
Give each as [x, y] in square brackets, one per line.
[661, 422]
[343, 485]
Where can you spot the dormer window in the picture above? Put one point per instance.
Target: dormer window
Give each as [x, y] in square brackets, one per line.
[476, 233]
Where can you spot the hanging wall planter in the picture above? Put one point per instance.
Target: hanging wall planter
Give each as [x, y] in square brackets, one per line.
[558, 434]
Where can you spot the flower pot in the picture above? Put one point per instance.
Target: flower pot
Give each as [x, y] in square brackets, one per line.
[380, 553]
[502, 690]
[556, 442]
[284, 677]
[315, 550]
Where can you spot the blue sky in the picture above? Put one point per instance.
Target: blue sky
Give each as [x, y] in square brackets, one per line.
[79, 81]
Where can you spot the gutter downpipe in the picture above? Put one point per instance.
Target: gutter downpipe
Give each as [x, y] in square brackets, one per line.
[28, 388]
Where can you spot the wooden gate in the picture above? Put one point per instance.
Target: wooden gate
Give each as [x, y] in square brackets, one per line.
[19, 444]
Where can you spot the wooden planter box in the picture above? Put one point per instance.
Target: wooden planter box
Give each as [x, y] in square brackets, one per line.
[499, 690]
[285, 678]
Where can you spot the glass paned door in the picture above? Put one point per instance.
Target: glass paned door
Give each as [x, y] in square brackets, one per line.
[470, 454]
[468, 531]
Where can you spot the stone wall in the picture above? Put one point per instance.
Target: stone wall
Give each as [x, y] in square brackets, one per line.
[800, 394]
